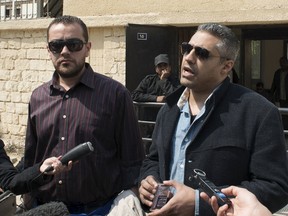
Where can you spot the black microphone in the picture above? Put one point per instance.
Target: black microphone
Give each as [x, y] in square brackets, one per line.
[48, 209]
[74, 154]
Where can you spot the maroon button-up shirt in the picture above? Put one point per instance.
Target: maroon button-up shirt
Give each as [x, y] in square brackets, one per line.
[98, 109]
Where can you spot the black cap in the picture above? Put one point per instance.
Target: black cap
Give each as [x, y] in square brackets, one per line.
[162, 58]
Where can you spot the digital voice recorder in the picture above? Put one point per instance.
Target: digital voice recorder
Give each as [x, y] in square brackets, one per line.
[209, 188]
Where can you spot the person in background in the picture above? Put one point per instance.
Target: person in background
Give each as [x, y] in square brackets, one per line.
[221, 128]
[279, 87]
[79, 105]
[262, 91]
[20, 182]
[155, 87]
[244, 203]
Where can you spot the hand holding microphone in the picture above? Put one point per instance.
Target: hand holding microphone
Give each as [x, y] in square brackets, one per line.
[55, 163]
[74, 154]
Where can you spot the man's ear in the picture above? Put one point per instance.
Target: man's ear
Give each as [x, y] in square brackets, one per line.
[227, 66]
[88, 47]
[49, 52]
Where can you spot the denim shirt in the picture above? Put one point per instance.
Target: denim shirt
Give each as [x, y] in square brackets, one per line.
[184, 134]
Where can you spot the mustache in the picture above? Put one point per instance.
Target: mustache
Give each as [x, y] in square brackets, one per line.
[65, 59]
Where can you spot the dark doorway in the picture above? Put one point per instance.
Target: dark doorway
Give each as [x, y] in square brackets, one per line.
[262, 47]
[143, 44]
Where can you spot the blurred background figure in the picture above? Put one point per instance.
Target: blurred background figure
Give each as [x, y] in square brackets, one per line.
[262, 91]
[279, 88]
[155, 87]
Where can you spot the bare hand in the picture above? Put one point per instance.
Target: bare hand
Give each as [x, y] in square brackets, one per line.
[56, 164]
[212, 201]
[147, 190]
[245, 203]
[160, 98]
[165, 73]
[182, 203]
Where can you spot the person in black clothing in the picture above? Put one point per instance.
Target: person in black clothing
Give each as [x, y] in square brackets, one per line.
[155, 87]
[23, 181]
[262, 91]
[279, 88]
[224, 129]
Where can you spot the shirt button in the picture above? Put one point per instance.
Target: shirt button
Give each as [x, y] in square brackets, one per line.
[60, 182]
[66, 96]
[181, 166]
[186, 139]
[64, 116]
[62, 138]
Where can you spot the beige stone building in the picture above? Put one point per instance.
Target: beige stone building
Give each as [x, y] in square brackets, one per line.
[126, 36]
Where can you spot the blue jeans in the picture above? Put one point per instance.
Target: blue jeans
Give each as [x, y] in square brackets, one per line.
[100, 211]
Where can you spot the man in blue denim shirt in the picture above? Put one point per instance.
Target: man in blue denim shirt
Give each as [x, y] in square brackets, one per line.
[230, 132]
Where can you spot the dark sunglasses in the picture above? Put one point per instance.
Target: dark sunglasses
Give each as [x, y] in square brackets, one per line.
[73, 45]
[200, 52]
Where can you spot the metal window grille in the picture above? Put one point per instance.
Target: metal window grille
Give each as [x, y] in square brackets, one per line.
[29, 9]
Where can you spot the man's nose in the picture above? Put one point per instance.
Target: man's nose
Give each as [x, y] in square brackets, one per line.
[65, 49]
[191, 56]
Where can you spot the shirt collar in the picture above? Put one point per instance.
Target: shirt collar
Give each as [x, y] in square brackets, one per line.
[185, 96]
[86, 79]
[88, 76]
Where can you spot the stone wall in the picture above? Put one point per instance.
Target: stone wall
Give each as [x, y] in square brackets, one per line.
[25, 64]
[180, 13]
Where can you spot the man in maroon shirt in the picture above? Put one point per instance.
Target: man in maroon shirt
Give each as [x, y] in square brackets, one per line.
[78, 105]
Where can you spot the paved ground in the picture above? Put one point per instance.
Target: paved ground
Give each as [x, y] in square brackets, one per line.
[282, 212]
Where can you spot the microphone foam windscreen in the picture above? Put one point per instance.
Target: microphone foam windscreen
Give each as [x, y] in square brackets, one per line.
[48, 209]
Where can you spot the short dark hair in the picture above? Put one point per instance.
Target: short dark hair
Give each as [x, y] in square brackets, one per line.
[229, 46]
[66, 19]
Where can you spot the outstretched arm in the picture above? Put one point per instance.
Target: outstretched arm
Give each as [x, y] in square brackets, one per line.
[20, 182]
[245, 203]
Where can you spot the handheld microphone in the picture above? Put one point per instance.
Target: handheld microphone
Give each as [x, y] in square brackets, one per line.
[75, 154]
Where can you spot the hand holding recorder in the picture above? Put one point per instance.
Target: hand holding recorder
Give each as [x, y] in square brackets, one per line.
[210, 188]
[245, 203]
[181, 203]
